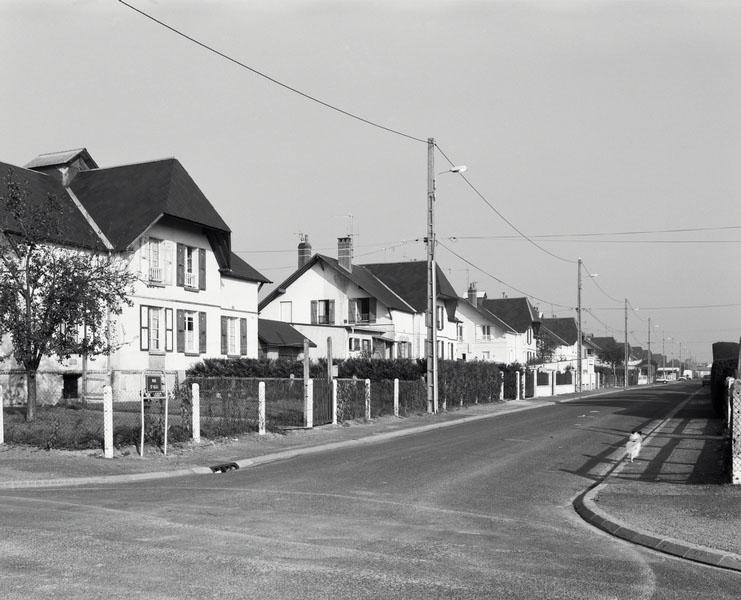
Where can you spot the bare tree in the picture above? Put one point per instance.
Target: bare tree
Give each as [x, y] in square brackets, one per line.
[50, 289]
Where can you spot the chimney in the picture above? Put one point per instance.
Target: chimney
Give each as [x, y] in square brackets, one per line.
[304, 251]
[344, 252]
[473, 294]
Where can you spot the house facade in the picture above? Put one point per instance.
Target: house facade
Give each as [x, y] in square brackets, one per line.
[193, 298]
[481, 335]
[371, 310]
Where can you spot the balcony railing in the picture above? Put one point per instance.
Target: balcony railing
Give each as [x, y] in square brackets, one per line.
[191, 280]
[155, 274]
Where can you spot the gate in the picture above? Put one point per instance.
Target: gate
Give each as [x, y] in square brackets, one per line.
[322, 402]
[529, 383]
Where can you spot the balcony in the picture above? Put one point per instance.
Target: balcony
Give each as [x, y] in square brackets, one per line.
[155, 274]
[191, 280]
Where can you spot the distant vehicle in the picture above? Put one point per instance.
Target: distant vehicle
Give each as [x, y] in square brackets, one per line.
[662, 380]
[705, 380]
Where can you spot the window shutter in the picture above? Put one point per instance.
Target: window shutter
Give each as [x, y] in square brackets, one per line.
[181, 330]
[144, 258]
[143, 327]
[180, 266]
[313, 312]
[168, 330]
[201, 269]
[168, 266]
[331, 312]
[243, 337]
[224, 345]
[350, 310]
[371, 310]
[202, 332]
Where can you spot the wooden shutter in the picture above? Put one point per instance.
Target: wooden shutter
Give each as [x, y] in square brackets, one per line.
[201, 269]
[224, 345]
[371, 310]
[314, 312]
[331, 312]
[144, 258]
[180, 318]
[180, 266]
[350, 310]
[202, 332]
[168, 266]
[243, 337]
[143, 327]
[168, 330]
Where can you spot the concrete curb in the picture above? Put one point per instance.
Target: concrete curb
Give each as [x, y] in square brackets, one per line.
[586, 507]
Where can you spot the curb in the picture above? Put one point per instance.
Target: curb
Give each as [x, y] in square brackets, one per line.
[586, 507]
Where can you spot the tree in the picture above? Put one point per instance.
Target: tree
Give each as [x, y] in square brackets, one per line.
[49, 290]
[614, 354]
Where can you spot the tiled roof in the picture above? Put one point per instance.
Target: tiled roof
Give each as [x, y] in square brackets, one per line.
[124, 201]
[61, 158]
[409, 280]
[241, 270]
[563, 328]
[71, 227]
[280, 334]
[485, 314]
[517, 313]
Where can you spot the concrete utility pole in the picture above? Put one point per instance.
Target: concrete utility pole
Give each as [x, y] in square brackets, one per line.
[431, 344]
[648, 371]
[625, 370]
[578, 329]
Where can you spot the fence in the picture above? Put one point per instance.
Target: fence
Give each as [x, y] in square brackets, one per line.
[734, 426]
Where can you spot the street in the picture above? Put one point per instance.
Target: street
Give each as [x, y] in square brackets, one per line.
[478, 510]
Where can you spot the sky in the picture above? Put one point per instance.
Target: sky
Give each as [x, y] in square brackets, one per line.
[578, 121]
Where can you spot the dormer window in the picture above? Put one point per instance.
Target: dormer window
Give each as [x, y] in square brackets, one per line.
[156, 274]
[191, 267]
[361, 310]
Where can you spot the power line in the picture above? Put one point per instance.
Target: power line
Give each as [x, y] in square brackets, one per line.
[495, 278]
[271, 79]
[500, 215]
[679, 307]
[565, 241]
[592, 277]
[392, 242]
[606, 233]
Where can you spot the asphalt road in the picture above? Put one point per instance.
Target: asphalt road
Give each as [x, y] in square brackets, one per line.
[479, 510]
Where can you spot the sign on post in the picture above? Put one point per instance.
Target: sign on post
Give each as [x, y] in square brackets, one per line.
[154, 387]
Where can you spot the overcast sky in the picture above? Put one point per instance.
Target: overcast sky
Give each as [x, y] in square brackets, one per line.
[573, 117]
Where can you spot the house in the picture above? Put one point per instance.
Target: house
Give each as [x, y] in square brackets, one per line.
[374, 310]
[194, 298]
[561, 335]
[480, 334]
[522, 321]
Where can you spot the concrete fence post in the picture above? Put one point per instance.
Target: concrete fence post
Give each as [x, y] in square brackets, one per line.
[309, 403]
[396, 397]
[261, 408]
[518, 379]
[367, 400]
[195, 413]
[501, 385]
[2, 411]
[107, 421]
[535, 383]
[334, 402]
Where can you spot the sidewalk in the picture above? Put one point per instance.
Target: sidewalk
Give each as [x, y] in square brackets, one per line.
[673, 498]
[670, 499]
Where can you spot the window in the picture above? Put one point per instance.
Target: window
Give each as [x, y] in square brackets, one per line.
[486, 333]
[361, 310]
[233, 336]
[190, 322]
[155, 261]
[451, 350]
[529, 335]
[191, 267]
[459, 332]
[484, 356]
[354, 344]
[440, 320]
[286, 312]
[322, 312]
[441, 350]
[404, 350]
[365, 346]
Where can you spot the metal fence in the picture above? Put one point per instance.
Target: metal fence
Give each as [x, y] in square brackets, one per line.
[734, 426]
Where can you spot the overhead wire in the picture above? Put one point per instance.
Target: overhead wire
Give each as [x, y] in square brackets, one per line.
[271, 79]
[607, 233]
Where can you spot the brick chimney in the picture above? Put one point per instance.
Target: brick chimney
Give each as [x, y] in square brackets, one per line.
[473, 294]
[344, 252]
[304, 251]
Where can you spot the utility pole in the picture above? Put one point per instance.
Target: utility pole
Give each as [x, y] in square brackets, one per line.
[578, 329]
[625, 370]
[431, 344]
[648, 368]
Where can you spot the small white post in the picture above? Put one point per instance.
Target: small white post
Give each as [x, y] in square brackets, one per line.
[334, 402]
[367, 400]
[107, 421]
[2, 411]
[261, 408]
[195, 394]
[396, 397]
[535, 383]
[309, 404]
[517, 385]
[501, 385]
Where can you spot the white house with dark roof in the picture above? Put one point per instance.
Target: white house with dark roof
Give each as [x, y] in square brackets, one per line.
[193, 299]
[374, 310]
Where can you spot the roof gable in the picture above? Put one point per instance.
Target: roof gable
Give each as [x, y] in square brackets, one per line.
[124, 201]
[239, 269]
[409, 281]
[564, 330]
[280, 334]
[517, 313]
